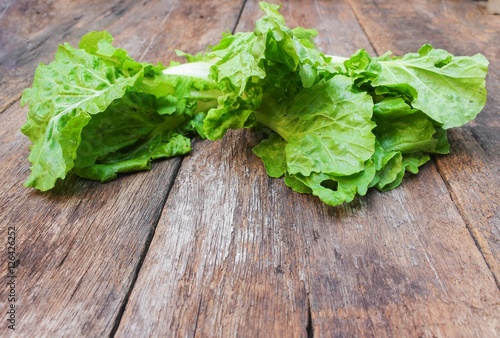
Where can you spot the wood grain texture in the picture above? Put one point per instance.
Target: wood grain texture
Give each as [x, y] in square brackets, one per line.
[471, 170]
[31, 30]
[221, 260]
[82, 243]
[78, 246]
[209, 245]
[238, 254]
[400, 265]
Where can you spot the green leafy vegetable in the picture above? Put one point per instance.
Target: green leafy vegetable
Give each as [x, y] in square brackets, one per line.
[99, 112]
[335, 126]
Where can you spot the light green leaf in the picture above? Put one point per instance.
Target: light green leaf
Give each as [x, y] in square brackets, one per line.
[97, 106]
[327, 127]
[391, 107]
[63, 97]
[272, 152]
[136, 158]
[273, 59]
[451, 89]
[334, 190]
[407, 134]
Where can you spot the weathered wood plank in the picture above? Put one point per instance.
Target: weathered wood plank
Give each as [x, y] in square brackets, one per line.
[221, 262]
[31, 30]
[238, 254]
[471, 170]
[399, 265]
[79, 246]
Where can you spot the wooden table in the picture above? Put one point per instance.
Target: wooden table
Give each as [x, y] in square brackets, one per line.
[208, 245]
